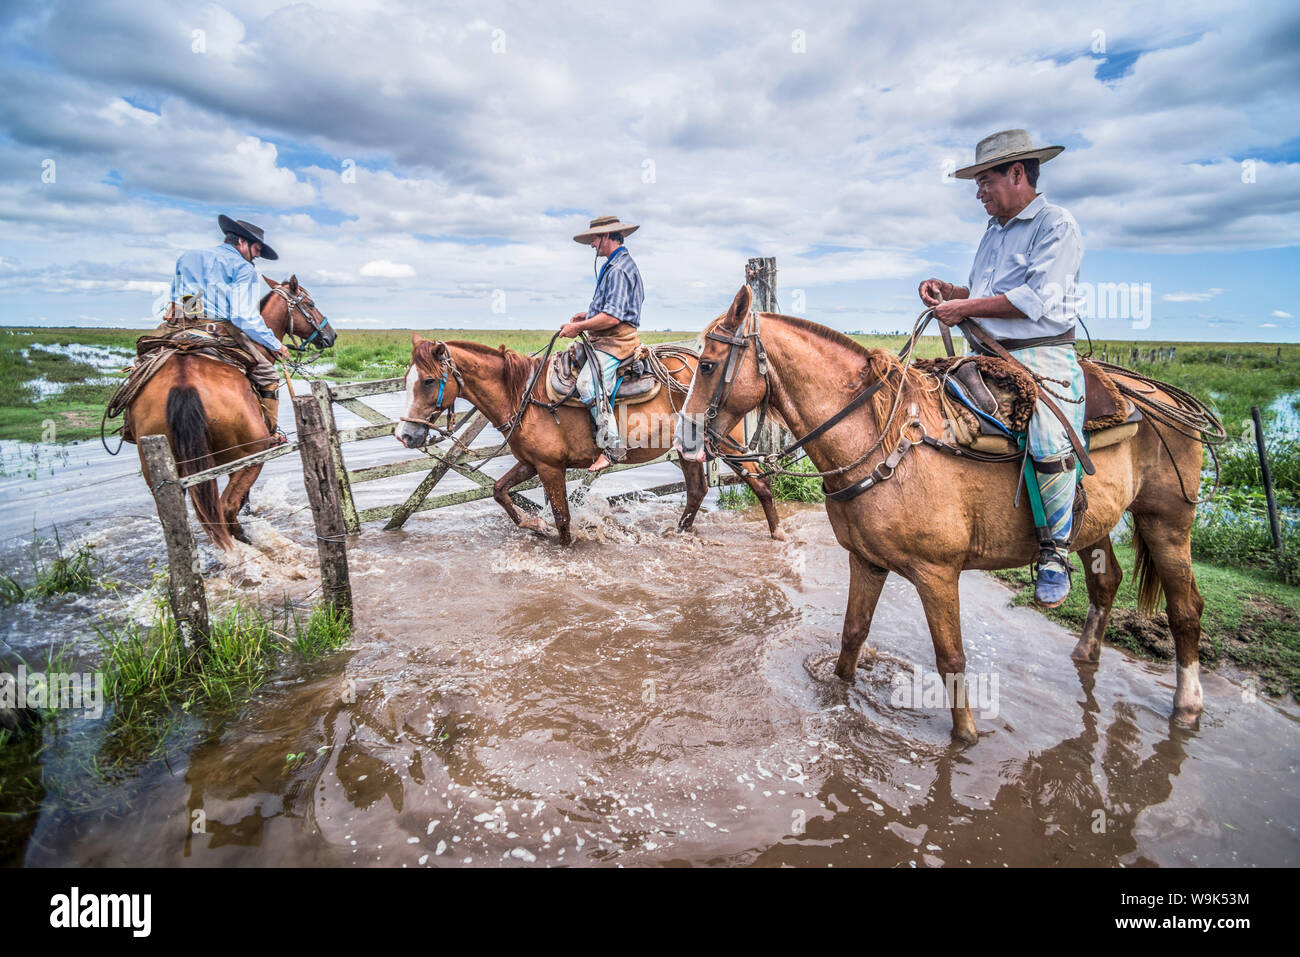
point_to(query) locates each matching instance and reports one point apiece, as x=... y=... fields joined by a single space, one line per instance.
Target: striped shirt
x=619 y=292
x=228 y=284
x=1034 y=259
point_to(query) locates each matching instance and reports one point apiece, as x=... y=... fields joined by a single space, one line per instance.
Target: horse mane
x=518 y=369
x=918 y=387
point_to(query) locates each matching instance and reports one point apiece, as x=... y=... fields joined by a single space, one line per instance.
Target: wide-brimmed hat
x=250 y=232
x=1004 y=147
x=602 y=225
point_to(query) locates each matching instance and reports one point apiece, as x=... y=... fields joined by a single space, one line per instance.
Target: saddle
x=987 y=400
x=634 y=381
x=179 y=334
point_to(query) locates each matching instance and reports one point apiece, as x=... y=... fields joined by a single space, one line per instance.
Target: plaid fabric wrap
x=1047 y=437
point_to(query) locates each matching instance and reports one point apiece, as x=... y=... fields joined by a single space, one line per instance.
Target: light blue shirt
x=229 y=287
x=1034 y=260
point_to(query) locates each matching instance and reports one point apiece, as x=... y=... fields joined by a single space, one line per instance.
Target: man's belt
x=1011 y=345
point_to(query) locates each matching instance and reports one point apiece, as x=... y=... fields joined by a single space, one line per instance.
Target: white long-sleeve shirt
x=1034 y=260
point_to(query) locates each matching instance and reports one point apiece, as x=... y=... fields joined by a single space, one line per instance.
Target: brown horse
x=494 y=381
x=941 y=514
x=210 y=416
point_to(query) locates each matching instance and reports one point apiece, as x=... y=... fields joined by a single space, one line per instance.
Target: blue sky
x=427 y=167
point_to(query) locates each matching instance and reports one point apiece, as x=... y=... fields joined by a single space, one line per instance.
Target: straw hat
x=1004 y=147
x=602 y=225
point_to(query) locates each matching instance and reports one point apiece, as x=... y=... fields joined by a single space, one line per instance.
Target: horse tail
x=1149 y=588
x=193 y=448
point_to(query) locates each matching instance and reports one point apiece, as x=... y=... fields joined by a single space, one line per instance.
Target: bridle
x=737 y=345
x=295 y=302
x=449 y=370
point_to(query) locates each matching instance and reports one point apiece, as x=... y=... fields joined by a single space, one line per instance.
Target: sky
x=426 y=166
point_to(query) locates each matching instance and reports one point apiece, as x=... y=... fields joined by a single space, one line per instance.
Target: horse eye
x=429 y=382
x=708 y=367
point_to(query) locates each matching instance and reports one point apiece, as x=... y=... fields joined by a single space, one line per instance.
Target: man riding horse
x=611 y=320
x=1022 y=286
x=220 y=284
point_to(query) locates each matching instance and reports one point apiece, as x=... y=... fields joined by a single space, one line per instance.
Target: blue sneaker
x=1052 y=578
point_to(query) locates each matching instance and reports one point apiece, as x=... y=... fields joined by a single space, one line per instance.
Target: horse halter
x=295 y=302
x=448 y=367
x=736 y=348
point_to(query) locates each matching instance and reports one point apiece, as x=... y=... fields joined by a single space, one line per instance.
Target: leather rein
x=750 y=332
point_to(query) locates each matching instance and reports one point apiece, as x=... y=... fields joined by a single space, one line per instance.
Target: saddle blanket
x=635 y=383
x=988 y=400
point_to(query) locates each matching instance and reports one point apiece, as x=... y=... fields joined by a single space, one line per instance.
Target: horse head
x=726 y=385
x=297 y=313
x=432 y=385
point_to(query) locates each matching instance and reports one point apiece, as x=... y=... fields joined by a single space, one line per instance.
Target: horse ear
x=293 y=283
x=416 y=339
x=270 y=282
x=739 y=308
x=440 y=350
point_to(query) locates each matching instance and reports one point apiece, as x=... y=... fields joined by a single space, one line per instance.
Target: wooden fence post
x=1273 y=525
x=185 y=584
x=323 y=493
x=760 y=273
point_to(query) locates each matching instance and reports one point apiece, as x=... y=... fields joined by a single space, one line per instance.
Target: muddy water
x=647 y=698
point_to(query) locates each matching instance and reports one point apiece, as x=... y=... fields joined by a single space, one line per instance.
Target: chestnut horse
x=546 y=444
x=941 y=514
x=210 y=415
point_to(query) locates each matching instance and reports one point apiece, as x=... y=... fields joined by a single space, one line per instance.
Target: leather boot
x=270 y=411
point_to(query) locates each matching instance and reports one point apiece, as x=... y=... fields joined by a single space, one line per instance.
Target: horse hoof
x=1086 y=654
x=778 y=534
x=1188 y=719
x=965 y=737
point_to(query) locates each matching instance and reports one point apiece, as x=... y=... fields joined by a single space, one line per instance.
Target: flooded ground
x=642 y=698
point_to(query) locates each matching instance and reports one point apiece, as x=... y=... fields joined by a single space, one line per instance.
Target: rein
x=738 y=345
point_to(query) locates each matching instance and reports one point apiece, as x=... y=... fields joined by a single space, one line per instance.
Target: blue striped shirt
x=228 y=284
x=619 y=292
x=1034 y=259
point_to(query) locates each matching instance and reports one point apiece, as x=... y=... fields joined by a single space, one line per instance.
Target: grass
x=383 y=354
x=1251 y=620
x=72 y=414
x=149 y=669
x=785 y=488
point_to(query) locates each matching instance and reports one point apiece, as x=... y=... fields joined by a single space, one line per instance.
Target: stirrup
x=1052 y=576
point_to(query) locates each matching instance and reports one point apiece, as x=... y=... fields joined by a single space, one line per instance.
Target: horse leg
x=763 y=489
x=521 y=472
x=235 y=495
x=865 y=583
x=939 y=597
x=1103 y=575
x=1168 y=547
x=697 y=486
x=556 y=494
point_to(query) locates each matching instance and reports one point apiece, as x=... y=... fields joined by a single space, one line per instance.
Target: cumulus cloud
x=459 y=149
x=1279 y=314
